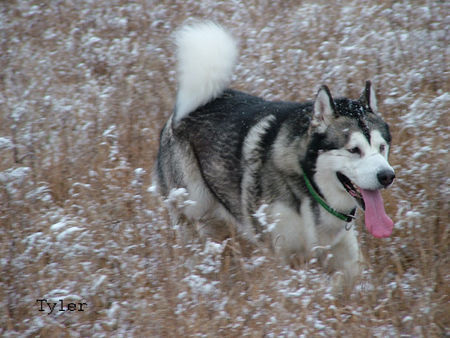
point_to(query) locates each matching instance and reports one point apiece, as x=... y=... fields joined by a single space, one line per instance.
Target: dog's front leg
x=292 y=238
x=346 y=262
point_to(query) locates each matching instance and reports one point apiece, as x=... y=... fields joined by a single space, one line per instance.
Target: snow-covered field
x=85 y=87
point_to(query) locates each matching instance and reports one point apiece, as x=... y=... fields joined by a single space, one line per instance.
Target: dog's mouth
x=377 y=222
x=352 y=189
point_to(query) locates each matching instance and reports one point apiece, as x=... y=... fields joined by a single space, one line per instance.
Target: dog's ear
x=368 y=98
x=324 y=109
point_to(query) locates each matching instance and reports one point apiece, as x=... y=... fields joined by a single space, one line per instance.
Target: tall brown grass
x=85 y=88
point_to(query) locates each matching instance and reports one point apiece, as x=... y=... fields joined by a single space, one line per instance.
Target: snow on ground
x=85 y=88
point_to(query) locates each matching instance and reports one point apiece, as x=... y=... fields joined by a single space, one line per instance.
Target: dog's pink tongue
x=377 y=222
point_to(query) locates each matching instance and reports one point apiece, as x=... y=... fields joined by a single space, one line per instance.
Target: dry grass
x=84 y=90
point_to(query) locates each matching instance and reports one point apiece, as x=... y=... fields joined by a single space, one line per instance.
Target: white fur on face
x=361 y=169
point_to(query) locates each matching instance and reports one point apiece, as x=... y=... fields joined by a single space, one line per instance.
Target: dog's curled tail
x=207 y=54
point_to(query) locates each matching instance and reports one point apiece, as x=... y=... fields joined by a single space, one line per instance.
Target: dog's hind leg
x=216 y=229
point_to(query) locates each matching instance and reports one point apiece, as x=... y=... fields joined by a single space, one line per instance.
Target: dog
x=306 y=166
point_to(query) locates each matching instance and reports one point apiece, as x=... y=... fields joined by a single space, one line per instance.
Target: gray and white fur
x=236 y=154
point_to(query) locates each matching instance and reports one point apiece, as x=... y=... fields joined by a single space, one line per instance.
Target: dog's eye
x=354 y=150
x=382 y=148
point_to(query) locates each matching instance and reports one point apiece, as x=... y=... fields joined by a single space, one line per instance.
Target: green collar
x=318 y=199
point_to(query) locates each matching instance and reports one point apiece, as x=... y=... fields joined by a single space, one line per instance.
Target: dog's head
x=351 y=143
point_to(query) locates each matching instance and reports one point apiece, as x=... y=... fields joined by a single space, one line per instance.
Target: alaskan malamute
x=307 y=166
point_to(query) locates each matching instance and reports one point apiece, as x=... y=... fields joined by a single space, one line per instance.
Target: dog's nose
x=385 y=177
